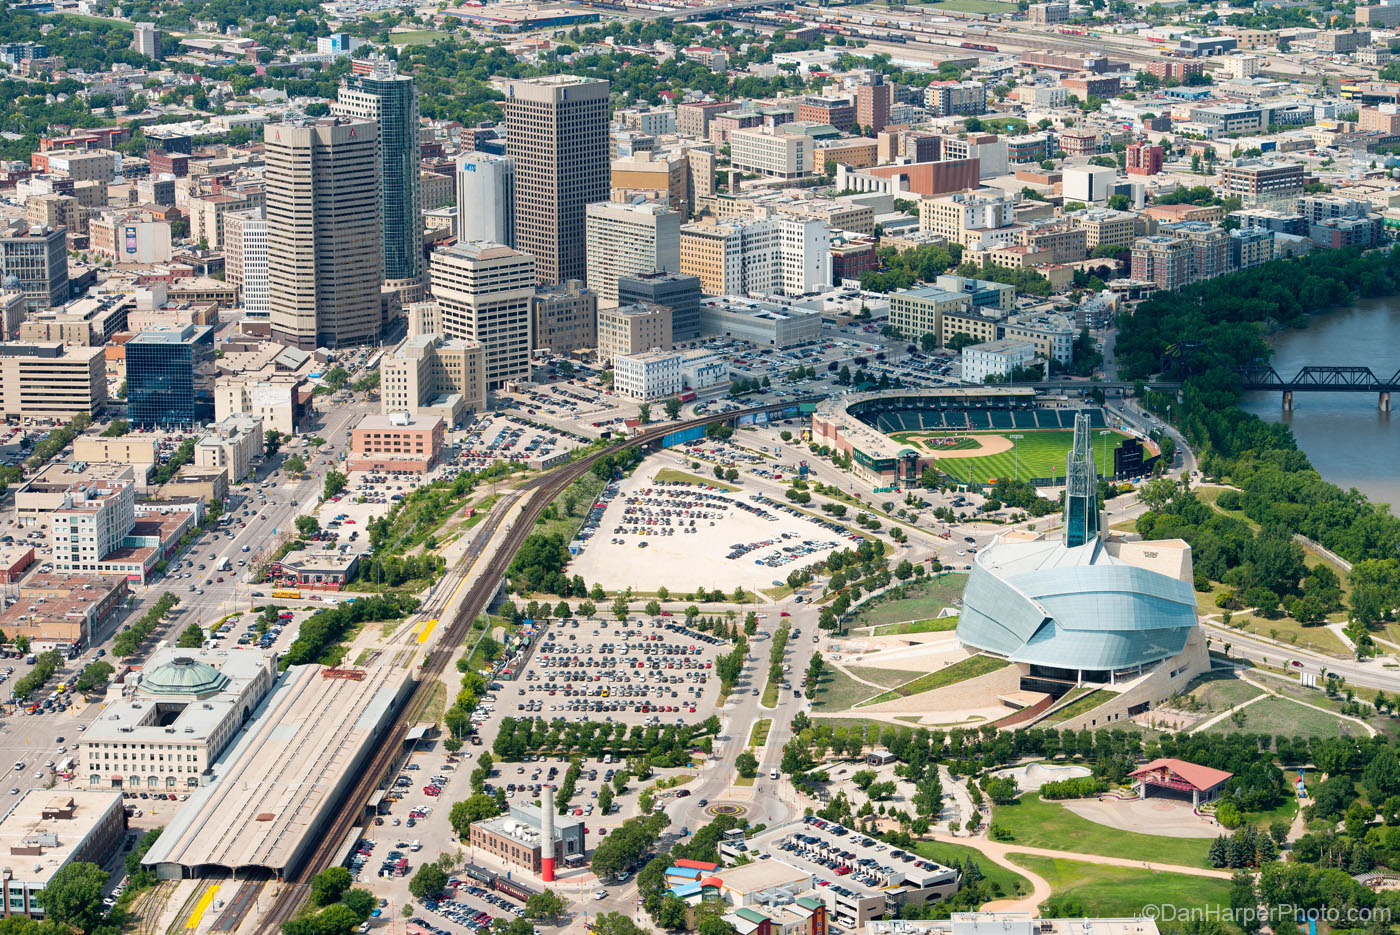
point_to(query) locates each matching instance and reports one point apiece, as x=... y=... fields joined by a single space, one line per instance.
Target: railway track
x=540 y=491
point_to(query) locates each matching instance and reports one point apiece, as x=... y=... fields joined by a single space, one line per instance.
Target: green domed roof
x=183 y=676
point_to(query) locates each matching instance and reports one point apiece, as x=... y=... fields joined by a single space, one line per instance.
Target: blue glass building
x=1079 y=607
x=170 y=377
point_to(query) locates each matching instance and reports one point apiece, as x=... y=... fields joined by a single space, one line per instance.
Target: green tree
x=329 y=885
x=615 y=923
x=428 y=881
x=547 y=905
x=307 y=526
x=338 y=919
x=672 y=407
x=192 y=637
x=361 y=902
x=472 y=809
x=644 y=413
x=334 y=484
x=73 y=897
x=746 y=764
x=294 y=465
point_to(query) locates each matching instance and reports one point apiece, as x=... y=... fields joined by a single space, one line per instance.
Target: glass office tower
x=170 y=378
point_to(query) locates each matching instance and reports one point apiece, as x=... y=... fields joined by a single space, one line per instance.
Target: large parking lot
x=636 y=671
x=509 y=438
x=685 y=535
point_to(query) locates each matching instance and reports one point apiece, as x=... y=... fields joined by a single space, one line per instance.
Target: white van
x=773 y=773
x=416 y=846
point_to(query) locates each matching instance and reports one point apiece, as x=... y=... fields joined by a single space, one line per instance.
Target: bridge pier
x=1384 y=402
x=1287 y=400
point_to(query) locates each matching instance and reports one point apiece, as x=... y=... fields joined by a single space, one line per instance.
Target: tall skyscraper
x=1081 y=487
x=557 y=136
x=324 y=255
x=390 y=100
x=483 y=292
x=873 y=102
x=486 y=198
x=628 y=239
x=245 y=259
x=145 y=39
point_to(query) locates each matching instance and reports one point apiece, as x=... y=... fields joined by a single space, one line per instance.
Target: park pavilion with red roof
x=1204 y=783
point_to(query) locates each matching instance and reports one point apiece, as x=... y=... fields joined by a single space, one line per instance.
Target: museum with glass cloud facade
x=1081 y=606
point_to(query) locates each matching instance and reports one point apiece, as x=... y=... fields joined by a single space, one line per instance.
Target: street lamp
x=1016 y=454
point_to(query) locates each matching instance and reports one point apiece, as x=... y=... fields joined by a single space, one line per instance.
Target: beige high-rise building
x=245 y=259
x=428 y=375
x=655 y=176
x=628 y=240
x=483 y=291
x=565 y=317
x=323 y=240
x=1106 y=226
x=207 y=212
x=632 y=329
x=700 y=174
x=51 y=381
x=557 y=136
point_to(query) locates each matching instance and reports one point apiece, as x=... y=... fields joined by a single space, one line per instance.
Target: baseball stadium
x=971 y=434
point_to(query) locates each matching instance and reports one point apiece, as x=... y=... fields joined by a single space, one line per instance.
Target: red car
x=667 y=613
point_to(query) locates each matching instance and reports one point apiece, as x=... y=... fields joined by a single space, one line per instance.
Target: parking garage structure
x=275 y=793
x=880 y=878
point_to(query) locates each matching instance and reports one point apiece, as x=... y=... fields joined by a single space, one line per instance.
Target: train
x=979 y=46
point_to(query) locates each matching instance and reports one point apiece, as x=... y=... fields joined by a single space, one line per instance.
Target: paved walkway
x=1215 y=719
x=848 y=673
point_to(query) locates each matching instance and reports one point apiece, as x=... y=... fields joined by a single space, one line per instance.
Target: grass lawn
x=1285 y=811
x=1038 y=454
x=583 y=491
x=854 y=723
x=1281 y=716
x=1081 y=705
x=960 y=671
x=886 y=678
x=434 y=706
x=1036 y=823
x=1005 y=125
x=838 y=691
x=770 y=694
x=671 y=474
x=936 y=625
x=1123 y=892
x=1005 y=881
x=759 y=735
x=1287 y=630
x=1220 y=691
x=743 y=780
x=416 y=37
x=922 y=601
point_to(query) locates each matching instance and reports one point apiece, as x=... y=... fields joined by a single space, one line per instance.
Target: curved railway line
x=540 y=491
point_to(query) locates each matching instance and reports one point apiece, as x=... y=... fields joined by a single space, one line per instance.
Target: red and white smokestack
x=547 y=835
